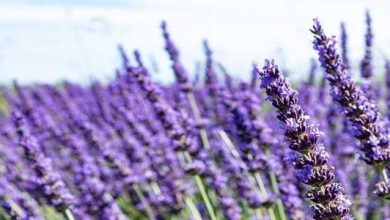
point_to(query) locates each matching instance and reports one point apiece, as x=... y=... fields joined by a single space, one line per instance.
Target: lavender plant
x=204 y=148
x=47 y=181
x=366 y=67
x=361 y=112
x=309 y=157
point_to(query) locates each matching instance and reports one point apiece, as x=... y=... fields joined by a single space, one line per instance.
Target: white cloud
x=52 y=42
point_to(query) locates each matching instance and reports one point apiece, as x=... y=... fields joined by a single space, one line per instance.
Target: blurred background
x=52 y=40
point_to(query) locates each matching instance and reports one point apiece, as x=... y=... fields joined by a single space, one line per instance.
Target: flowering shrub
x=222 y=149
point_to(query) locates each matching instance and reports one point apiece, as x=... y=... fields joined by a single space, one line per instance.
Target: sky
x=76 y=40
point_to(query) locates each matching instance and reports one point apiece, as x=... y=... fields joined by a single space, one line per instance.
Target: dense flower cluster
x=208 y=147
x=311 y=159
x=361 y=112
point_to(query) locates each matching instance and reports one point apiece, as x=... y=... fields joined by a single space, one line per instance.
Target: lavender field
x=208 y=146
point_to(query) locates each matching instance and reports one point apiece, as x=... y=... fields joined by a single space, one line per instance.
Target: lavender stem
x=356 y=214
x=206 y=145
x=384 y=175
x=256 y=175
x=202 y=189
x=203 y=193
x=198 y=119
x=263 y=191
x=68 y=215
x=144 y=202
x=194 y=211
x=275 y=189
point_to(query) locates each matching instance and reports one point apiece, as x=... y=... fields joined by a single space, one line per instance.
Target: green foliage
x=51 y=213
x=3 y=215
x=4 y=108
x=128 y=208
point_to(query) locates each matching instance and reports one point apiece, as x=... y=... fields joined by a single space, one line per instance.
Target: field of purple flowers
x=213 y=147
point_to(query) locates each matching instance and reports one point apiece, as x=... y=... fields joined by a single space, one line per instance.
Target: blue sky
x=48 y=41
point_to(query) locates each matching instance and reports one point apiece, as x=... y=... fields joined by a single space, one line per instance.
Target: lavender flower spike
x=387 y=81
x=46 y=179
x=344 y=48
x=366 y=67
x=177 y=66
x=363 y=115
x=382 y=189
x=310 y=158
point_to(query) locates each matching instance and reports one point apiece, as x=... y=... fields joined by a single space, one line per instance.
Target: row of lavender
x=135 y=149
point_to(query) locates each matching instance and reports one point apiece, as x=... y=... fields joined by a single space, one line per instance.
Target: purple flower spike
x=211 y=76
x=123 y=55
x=382 y=189
x=177 y=66
x=16 y=204
x=387 y=80
x=169 y=118
x=363 y=115
x=366 y=67
x=310 y=158
x=46 y=178
x=344 y=48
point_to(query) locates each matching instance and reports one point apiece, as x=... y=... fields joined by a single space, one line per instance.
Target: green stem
x=274 y=183
x=225 y=138
x=206 y=145
x=68 y=214
x=264 y=194
x=14 y=207
x=198 y=119
x=271 y=213
x=245 y=211
x=256 y=175
x=144 y=202
x=356 y=214
x=185 y=158
x=192 y=207
x=377 y=215
x=205 y=197
x=199 y=183
x=258 y=214
x=275 y=189
x=155 y=187
x=261 y=185
x=384 y=175
x=194 y=106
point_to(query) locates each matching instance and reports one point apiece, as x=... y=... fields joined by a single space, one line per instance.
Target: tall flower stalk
x=387 y=81
x=183 y=81
x=366 y=67
x=168 y=117
x=344 y=46
x=48 y=182
x=254 y=142
x=361 y=112
x=309 y=157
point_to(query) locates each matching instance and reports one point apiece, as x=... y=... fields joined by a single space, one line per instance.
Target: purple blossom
x=366 y=67
x=387 y=81
x=310 y=159
x=46 y=178
x=177 y=66
x=361 y=112
x=344 y=46
x=130 y=147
